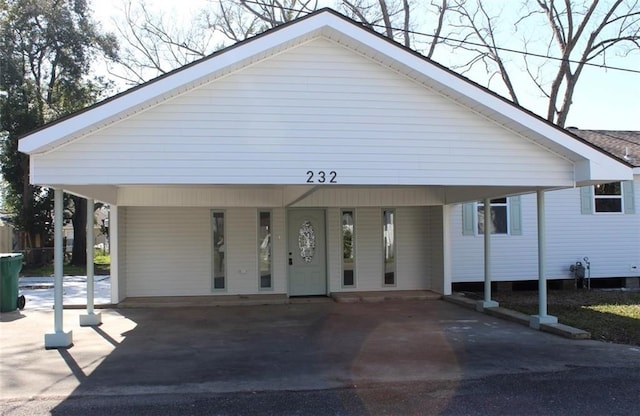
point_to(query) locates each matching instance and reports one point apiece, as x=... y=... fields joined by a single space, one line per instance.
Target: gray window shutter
x=468 y=213
x=586 y=200
x=515 y=216
x=628 y=197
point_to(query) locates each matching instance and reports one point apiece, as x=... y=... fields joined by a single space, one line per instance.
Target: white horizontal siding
x=373 y=197
x=611 y=241
x=168 y=251
x=241 y=250
x=514 y=257
x=279 y=247
x=434 y=248
x=318 y=106
x=413 y=265
x=334 y=249
x=368 y=249
x=199 y=196
x=245 y=196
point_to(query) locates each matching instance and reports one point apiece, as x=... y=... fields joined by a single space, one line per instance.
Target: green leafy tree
x=46 y=51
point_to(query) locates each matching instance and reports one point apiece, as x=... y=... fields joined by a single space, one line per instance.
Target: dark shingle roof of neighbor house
x=622 y=144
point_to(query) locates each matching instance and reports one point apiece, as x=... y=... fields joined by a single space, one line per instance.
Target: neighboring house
x=601 y=223
x=315 y=158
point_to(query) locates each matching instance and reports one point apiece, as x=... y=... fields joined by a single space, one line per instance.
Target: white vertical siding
x=611 y=241
x=310 y=108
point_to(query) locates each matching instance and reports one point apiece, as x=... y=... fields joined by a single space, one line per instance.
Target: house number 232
x=321 y=177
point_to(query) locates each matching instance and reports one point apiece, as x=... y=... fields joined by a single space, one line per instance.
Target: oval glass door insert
x=307 y=241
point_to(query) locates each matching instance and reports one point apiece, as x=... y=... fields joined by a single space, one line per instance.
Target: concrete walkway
x=292 y=347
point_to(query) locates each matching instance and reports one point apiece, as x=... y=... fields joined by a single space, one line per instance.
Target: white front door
x=307 y=252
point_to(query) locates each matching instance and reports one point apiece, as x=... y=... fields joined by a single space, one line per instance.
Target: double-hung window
x=506 y=218
x=608 y=198
x=499 y=217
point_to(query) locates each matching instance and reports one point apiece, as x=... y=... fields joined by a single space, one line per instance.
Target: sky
x=604 y=99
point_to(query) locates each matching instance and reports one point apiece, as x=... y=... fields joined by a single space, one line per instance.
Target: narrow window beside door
x=348 y=248
x=264 y=249
x=389 y=247
x=219 y=264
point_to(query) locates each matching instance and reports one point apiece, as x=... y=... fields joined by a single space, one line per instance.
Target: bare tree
x=238 y=20
x=583 y=33
x=575 y=33
x=390 y=17
x=476 y=32
x=152 y=43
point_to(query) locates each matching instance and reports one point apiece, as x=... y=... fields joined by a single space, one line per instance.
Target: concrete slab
x=291 y=347
x=565 y=331
x=381 y=296
x=519 y=317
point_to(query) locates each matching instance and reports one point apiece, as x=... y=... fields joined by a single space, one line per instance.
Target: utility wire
x=466 y=42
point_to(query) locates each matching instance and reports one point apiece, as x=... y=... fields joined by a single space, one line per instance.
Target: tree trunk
x=79 y=221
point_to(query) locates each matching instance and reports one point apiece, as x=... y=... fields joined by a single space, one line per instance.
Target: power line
x=467 y=42
x=526 y=53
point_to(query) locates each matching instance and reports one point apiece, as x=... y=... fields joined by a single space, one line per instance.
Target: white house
x=315 y=158
x=599 y=223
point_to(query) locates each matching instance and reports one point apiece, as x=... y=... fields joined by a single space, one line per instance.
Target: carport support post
x=542 y=318
x=90 y=318
x=59 y=338
x=487 y=302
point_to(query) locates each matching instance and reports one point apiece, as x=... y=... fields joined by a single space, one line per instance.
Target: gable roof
x=592 y=164
x=622 y=144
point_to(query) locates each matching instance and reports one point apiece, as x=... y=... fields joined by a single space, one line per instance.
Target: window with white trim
x=348 y=248
x=264 y=250
x=607 y=197
x=506 y=217
x=499 y=218
x=218 y=262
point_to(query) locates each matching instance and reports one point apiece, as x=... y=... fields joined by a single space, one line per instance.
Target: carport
x=242 y=172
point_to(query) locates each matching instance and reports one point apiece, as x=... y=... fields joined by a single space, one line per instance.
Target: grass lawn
x=612 y=316
x=101 y=267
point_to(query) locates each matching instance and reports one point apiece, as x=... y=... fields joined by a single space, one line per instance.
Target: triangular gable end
x=591 y=164
x=317 y=107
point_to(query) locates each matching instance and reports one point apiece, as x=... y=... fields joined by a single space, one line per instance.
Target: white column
x=487 y=302
x=59 y=338
x=542 y=318
x=90 y=318
x=114 y=237
x=446 y=250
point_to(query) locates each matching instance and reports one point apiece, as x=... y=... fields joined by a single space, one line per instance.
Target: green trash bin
x=10 y=266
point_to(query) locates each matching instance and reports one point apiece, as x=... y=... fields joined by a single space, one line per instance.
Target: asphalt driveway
x=278 y=348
